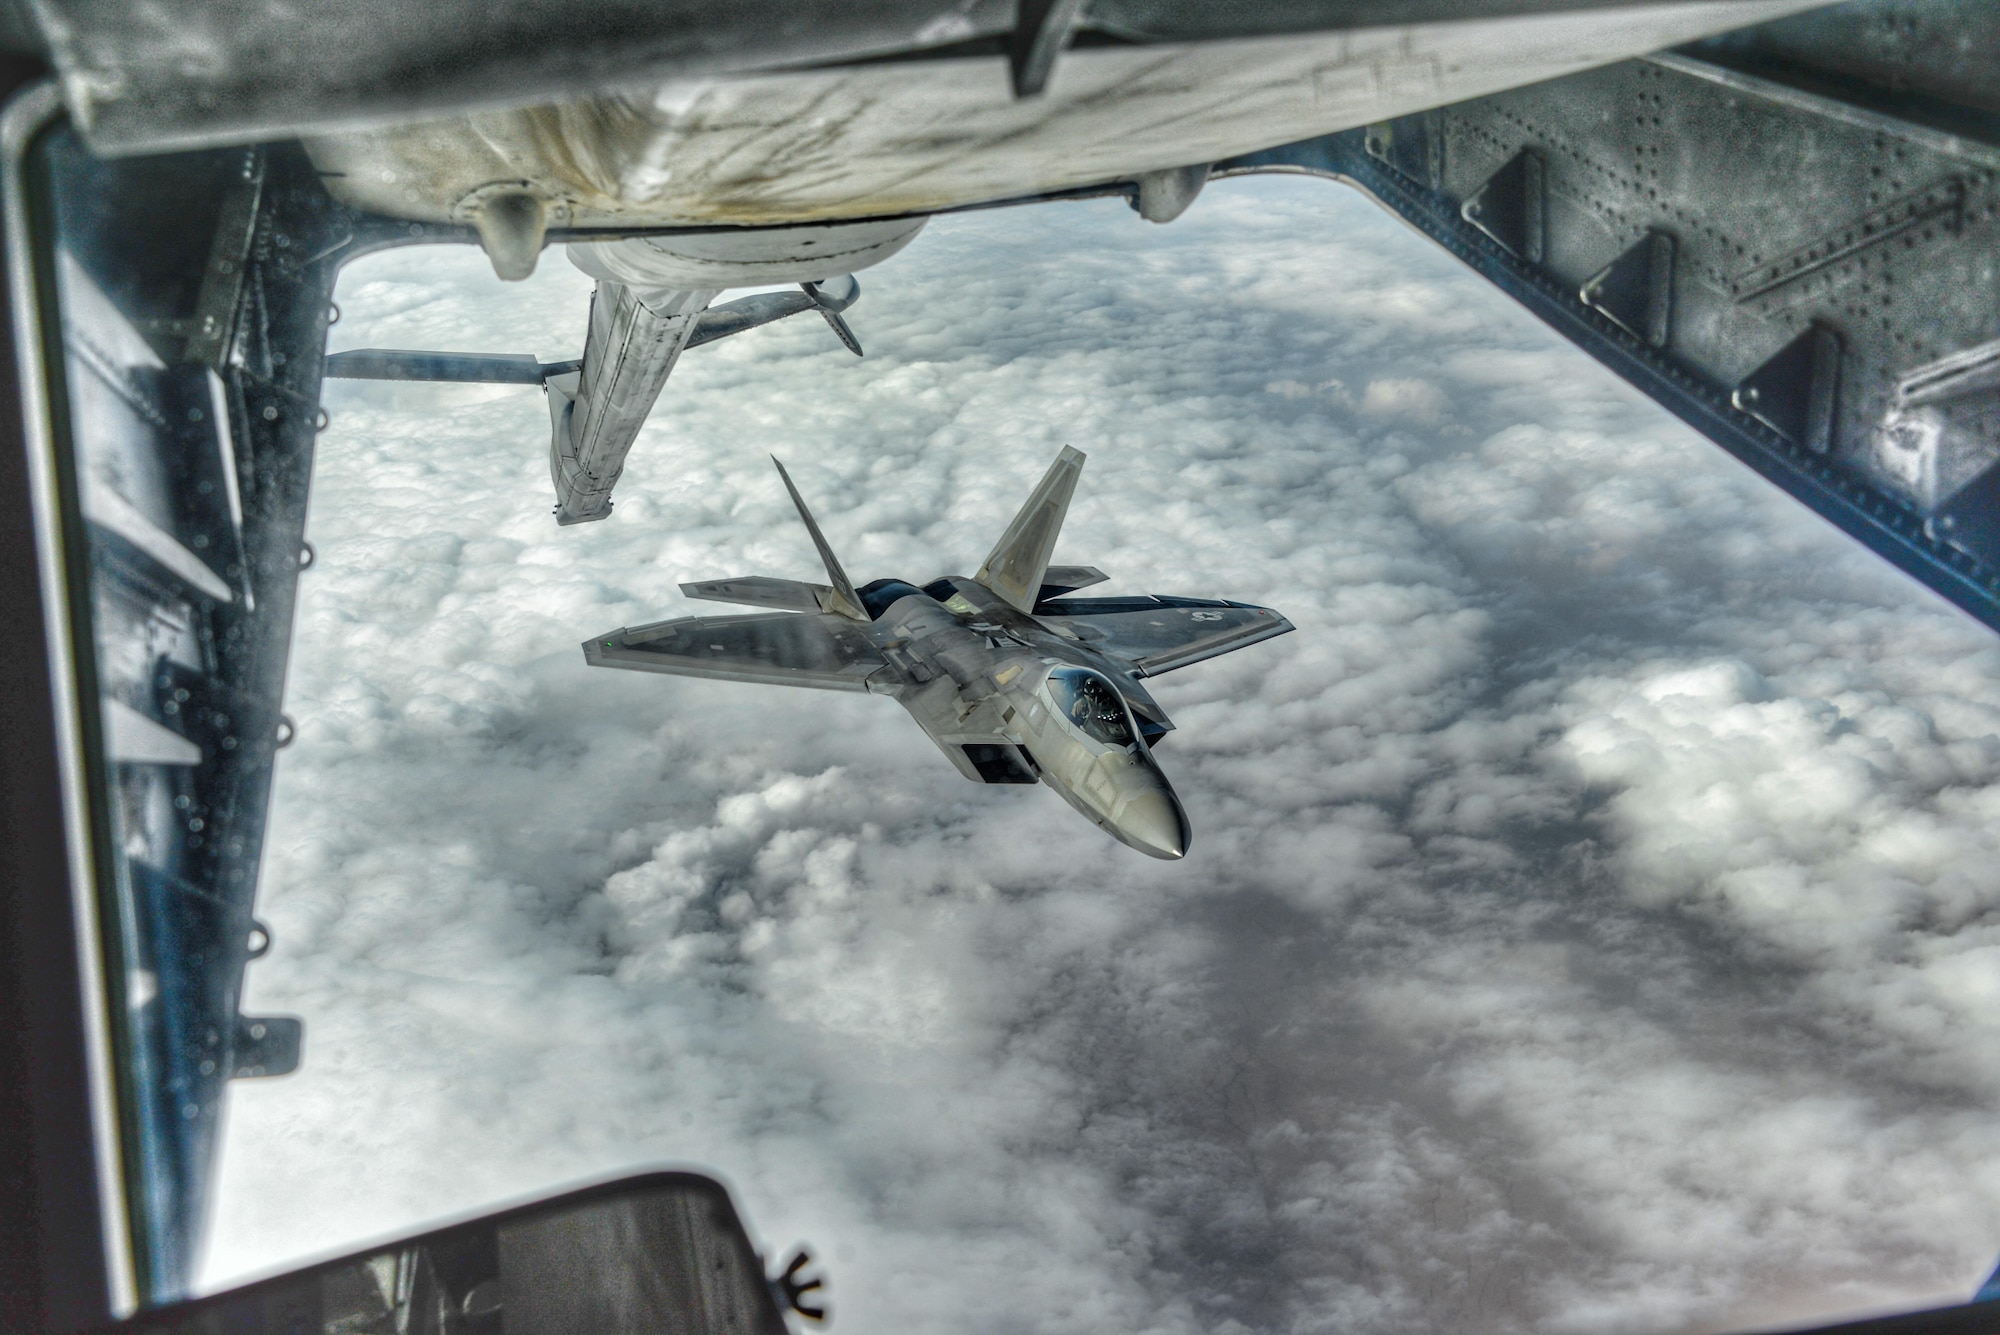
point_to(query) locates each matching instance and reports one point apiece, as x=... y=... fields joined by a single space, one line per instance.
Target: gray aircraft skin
x=1014 y=682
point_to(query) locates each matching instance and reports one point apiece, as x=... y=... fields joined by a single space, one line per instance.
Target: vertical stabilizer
x=845 y=600
x=1018 y=562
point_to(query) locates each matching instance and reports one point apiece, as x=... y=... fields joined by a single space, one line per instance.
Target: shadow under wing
x=1152 y=634
x=774 y=648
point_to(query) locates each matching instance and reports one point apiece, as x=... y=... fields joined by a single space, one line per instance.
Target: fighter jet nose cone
x=1154 y=824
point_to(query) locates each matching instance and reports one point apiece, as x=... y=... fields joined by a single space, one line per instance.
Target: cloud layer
x=1591 y=917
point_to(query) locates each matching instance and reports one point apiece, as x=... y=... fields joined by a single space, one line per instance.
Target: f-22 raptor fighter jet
x=1013 y=681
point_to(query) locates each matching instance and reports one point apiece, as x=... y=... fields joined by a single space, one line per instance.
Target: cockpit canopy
x=878 y=595
x=1090 y=702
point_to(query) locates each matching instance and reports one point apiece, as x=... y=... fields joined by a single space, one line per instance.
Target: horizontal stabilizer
x=829 y=298
x=733 y=317
x=1059 y=580
x=779 y=595
x=842 y=332
x=834 y=294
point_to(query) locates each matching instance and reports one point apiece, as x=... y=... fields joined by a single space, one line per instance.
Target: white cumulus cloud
x=1591 y=920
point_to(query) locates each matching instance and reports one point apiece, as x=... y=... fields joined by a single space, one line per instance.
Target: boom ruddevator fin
x=845 y=600
x=1018 y=562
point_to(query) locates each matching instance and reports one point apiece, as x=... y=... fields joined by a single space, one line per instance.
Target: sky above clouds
x=1591 y=918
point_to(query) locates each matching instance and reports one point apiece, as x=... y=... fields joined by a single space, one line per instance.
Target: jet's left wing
x=1154 y=634
x=773 y=648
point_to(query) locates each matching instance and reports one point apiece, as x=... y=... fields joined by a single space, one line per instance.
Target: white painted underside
x=921 y=136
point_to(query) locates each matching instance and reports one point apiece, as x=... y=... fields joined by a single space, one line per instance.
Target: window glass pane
x=182 y=420
x=1586 y=921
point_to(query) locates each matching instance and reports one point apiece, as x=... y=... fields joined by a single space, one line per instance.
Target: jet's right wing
x=773 y=648
x=1151 y=634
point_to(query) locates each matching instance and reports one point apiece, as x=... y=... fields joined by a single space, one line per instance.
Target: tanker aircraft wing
x=822 y=650
x=1150 y=634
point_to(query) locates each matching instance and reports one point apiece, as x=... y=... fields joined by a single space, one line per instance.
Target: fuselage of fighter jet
x=1013 y=681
